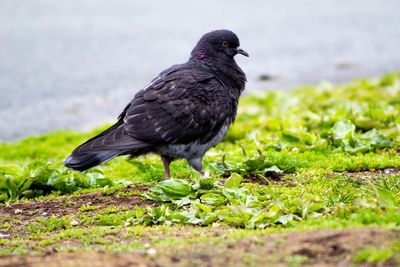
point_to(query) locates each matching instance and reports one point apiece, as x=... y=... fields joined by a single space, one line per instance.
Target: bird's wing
x=180 y=106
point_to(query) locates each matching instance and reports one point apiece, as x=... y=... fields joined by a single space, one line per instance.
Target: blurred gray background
x=75 y=64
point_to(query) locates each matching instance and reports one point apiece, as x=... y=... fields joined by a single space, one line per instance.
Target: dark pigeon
x=182 y=113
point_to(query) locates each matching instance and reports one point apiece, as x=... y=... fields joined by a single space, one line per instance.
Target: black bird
x=182 y=113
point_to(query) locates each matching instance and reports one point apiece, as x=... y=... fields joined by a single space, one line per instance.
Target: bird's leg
x=197 y=165
x=166 y=161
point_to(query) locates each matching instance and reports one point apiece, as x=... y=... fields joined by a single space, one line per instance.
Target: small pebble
x=4 y=235
x=74 y=222
x=151 y=251
x=17 y=211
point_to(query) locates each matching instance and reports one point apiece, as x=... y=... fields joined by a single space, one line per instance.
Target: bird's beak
x=242 y=52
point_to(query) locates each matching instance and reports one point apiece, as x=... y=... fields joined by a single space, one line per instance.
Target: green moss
x=376 y=255
x=87 y=207
x=295 y=152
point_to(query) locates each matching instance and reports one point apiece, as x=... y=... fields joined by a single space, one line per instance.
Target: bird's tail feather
x=111 y=143
x=84 y=161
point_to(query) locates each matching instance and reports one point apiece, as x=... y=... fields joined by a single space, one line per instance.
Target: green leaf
x=97 y=179
x=273 y=170
x=385 y=195
x=210 y=217
x=376 y=139
x=343 y=131
x=182 y=201
x=175 y=187
x=168 y=190
x=234 y=215
x=253 y=164
x=285 y=219
x=233 y=181
x=9 y=171
x=290 y=137
x=206 y=183
x=212 y=199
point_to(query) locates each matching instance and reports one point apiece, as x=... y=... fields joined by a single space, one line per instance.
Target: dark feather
x=190 y=104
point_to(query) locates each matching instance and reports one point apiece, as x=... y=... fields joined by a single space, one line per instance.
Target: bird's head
x=217 y=44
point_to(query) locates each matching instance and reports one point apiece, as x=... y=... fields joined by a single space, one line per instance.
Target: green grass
x=350 y=127
x=376 y=255
x=316 y=157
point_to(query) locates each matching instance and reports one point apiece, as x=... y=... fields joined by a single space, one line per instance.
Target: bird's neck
x=202 y=54
x=232 y=74
x=224 y=67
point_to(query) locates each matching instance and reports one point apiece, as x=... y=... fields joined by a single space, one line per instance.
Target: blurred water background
x=75 y=64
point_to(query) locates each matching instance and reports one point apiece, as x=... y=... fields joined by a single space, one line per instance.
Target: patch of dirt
x=320 y=248
x=274 y=178
x=92 y=259
x=29 y=210
x=313 y=248
x=373 y=173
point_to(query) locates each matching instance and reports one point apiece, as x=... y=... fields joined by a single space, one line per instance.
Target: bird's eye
x=224 y=43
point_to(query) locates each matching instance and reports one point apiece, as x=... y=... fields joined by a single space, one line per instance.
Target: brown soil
x=60 y=207
x=130 y=197
x=274 y=178
x=24 y=213
x=313 y=248
x=374 y=173
x=269 y=179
